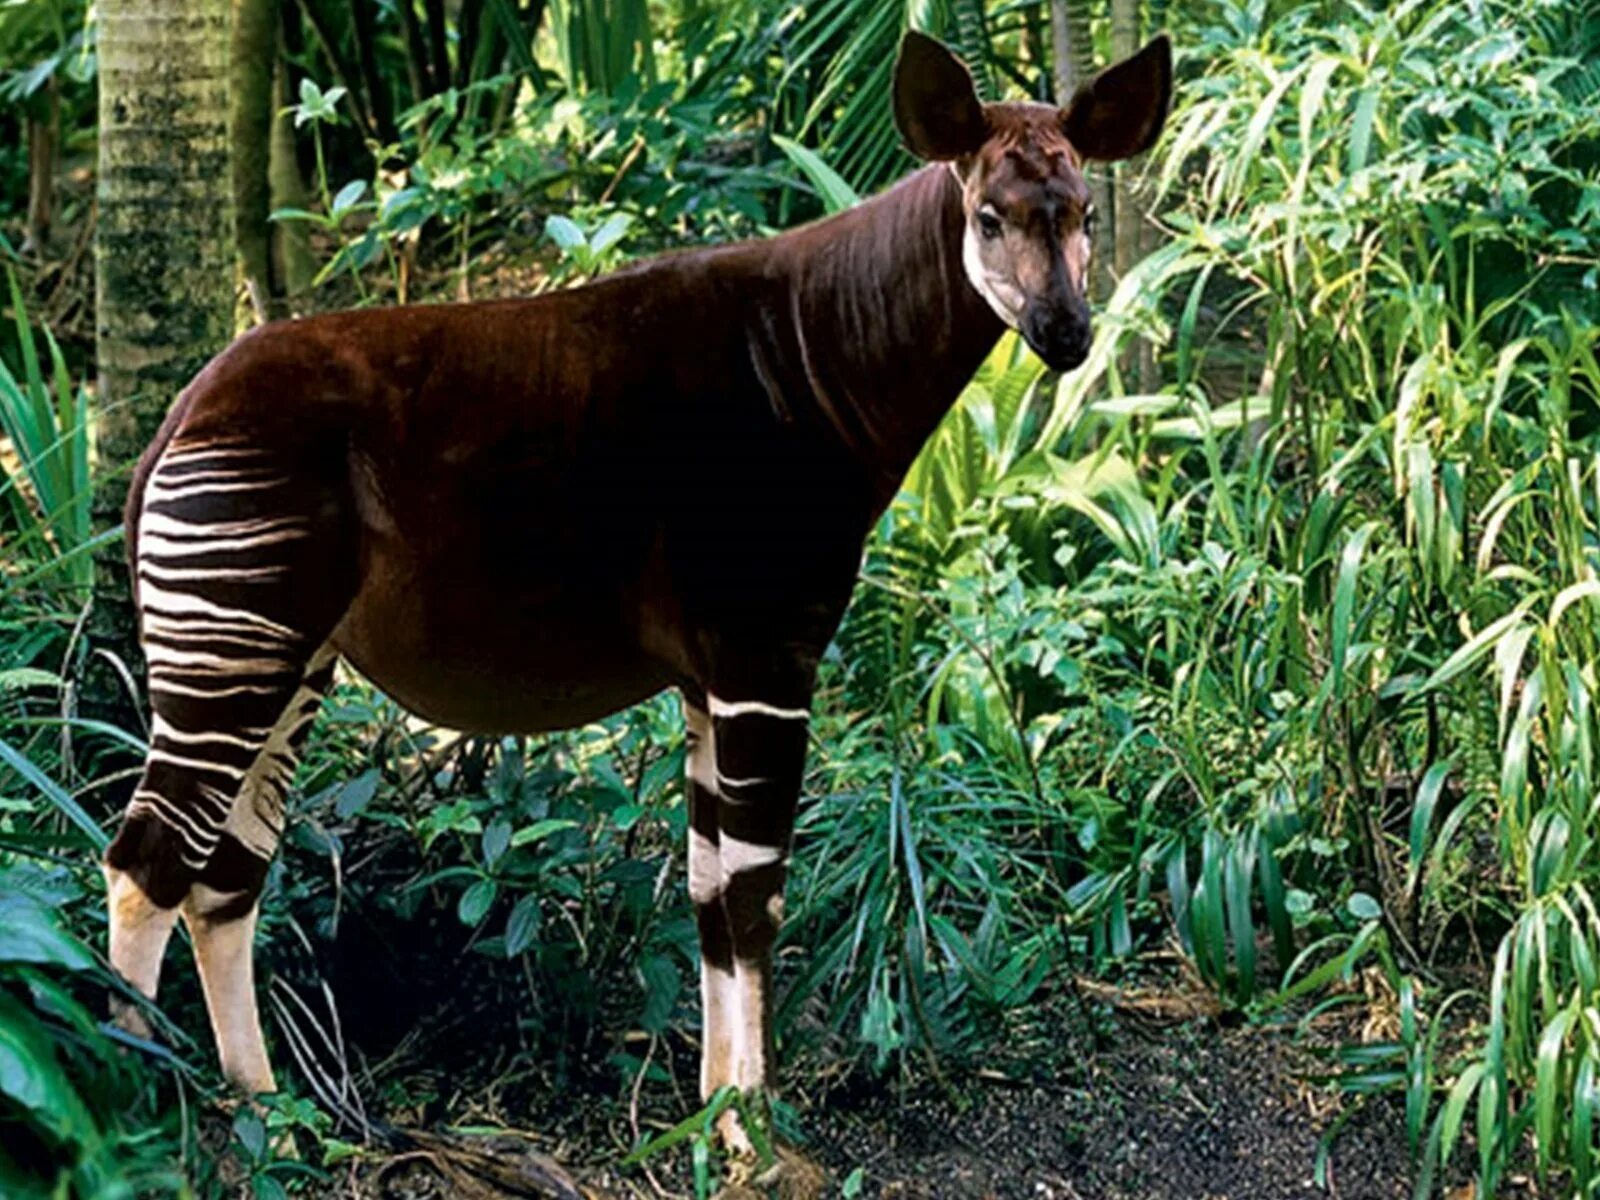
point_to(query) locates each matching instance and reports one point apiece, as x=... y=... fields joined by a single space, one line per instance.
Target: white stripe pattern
x=230 y=775
x=740 y=856
x=744 y=708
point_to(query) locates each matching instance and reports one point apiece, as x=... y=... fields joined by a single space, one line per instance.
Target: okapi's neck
x=889 y=329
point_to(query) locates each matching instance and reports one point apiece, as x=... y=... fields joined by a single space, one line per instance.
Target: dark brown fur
x=560 y=505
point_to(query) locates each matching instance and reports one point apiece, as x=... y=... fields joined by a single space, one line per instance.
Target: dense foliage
x=1292 y=658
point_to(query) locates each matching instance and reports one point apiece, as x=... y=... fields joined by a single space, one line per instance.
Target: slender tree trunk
x=1149 y=233
x=1129 y=215
x=293 y=261
x=164 y=255
x=418 y=68
x=255 y=51
x=1066 y=79
x=331 y=22
x=44 y=130
x=1124 y=41
x=438 y=41
x=1073 y=42
x=469 y=27
x=377 y=91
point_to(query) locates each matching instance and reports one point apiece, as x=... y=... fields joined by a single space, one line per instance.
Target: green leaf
x=662 y=986
x=348 y=195
x=496 y=840
x=1363 y=907
x=1427 y=800
x=31 y=1076
x=610 y=232
x=476 y=901
x=1474 y=648
x=357 y=794
x=522 y=926
x=836 y=194
x=250 y=1132
x=564 y=232
x=540 y=830
x=29 y=933
x=1343 y=630
x=56 y=794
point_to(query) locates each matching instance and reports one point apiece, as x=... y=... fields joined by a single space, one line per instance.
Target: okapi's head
x=1029 y=220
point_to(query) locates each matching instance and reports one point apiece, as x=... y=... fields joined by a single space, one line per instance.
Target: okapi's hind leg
x=243 y=570
x=223 y=903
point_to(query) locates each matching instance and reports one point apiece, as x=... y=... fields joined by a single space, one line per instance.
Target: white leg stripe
x=738 y=857
x=159 y=544
x=198 y=841
x=195 y=764
x=158 y=574
x=183 y=452
x=745 y=708
x=243 y=689
x=705 y=869
x=195 y=662
x=167 y=526
x=175 y=484
x=163 y=728
x=183 y=602
x=180 y=629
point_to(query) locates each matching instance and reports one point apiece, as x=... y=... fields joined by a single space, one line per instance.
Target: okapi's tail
x=141 y=476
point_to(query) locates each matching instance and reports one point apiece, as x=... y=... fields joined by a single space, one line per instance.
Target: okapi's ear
x=936 y=106
x=1119 y=113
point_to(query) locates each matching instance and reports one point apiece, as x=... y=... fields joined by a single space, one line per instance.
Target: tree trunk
x=1124 y=41
x=1149 y=233
x=438 y=41
x=377 y=90
x=164 y=256
x=255 y=50
x=1066 y=79
x=1129 y=218
x=1075 y=65
x=294 y=263
x=44 y=128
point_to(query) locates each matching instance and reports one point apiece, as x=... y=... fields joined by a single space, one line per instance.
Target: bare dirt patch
x=1182 y=1107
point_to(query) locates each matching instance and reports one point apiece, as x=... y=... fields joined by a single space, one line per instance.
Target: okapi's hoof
x=792 y=1176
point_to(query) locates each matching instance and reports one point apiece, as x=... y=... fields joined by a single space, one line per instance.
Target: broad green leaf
x=476 y=901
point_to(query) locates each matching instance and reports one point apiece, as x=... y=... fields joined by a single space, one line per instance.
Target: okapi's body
x=523 y=515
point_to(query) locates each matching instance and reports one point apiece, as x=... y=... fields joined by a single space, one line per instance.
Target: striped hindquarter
x=238 y=585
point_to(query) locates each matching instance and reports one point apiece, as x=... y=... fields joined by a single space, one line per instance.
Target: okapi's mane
x=865 y=318
x=889 y=327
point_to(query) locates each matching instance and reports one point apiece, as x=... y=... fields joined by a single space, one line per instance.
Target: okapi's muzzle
x=1058 y=332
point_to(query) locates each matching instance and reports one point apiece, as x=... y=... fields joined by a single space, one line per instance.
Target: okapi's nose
x=1058 y=333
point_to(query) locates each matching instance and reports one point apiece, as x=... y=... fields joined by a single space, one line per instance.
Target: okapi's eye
x=989 y=223
x=1091 y=222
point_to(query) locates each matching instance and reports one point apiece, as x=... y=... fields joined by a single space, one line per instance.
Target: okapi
x=522 y=515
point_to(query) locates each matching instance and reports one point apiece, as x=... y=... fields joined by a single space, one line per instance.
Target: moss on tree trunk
x=164 y=252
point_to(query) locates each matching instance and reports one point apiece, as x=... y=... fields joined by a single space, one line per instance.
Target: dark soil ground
x=1194 y=1112
x=1168 y=1101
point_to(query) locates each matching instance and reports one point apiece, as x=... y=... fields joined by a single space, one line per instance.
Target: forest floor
x=1167 y=1099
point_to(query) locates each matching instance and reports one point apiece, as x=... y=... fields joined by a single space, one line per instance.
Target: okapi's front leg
x=751 y=780
x=719 y=1005
x=760 y=752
